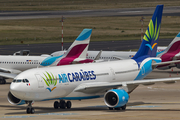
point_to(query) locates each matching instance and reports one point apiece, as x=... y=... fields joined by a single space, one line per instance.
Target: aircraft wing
x=5 y=70
x=164 y=63
x=97 y=87
x=119 y=58
x=8 y=75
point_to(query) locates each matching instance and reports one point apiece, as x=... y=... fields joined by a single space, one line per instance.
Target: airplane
x=11 y=66
x=109 y=55
x=114 y=80
x=172 y=52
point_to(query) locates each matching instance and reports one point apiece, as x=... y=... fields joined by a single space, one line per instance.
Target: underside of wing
x=8 y=75
x=97 y=87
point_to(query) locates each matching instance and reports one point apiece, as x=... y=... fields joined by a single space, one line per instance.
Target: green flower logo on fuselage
x=50 y=81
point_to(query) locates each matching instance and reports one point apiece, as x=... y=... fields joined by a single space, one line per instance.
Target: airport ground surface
x=156 y=102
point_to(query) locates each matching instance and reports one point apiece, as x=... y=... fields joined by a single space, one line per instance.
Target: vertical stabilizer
x=171 y=50
x=78 y=49
x=149 y=44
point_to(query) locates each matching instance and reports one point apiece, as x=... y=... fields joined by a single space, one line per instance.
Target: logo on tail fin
x=152 y=33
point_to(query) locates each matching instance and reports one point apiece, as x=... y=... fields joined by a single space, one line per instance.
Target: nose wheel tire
x=30 y=111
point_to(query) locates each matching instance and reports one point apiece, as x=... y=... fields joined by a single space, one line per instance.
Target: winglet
x=98 y=55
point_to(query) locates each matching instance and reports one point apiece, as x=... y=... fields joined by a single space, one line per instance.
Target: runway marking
x=58 y=114
x=130 y=11
x=149 y=106
x=17 y=116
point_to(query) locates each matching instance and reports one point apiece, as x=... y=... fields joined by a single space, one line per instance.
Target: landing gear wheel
x=32 y=110
x=118 y=108
x=110 y=108
x=28 y=110
x=62 y=104
x=68 y=104
x=123 y=107
x=2 y=81
x=56 y=105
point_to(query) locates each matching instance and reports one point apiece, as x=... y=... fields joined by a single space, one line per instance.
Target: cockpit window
x=20 y=80
x=26 y=80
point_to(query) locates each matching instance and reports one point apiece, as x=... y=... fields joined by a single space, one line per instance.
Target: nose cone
x=16 y=90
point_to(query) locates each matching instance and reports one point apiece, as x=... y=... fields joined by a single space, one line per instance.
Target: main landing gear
x=30 y=109
x=118 y=108
x=2 y=81
x=62 y=104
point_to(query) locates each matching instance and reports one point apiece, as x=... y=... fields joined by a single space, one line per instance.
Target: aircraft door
x=40 y=81
x=113 y=74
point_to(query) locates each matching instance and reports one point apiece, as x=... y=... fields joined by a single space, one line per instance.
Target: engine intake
x=14 y=100
x=116 y=98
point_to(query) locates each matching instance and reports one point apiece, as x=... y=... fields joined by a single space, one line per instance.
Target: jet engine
x=116 y=98
x=14 y=100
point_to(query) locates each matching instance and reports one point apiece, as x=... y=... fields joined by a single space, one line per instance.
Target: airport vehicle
x=112 y=79
x=10 y=66
x=171 y=53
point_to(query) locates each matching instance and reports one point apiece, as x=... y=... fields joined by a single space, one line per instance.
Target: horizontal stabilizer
x=154 y=65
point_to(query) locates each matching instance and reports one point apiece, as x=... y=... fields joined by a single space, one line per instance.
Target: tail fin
x=80 y=45
x=171 y=50
x=78 y=49
x=149 y=44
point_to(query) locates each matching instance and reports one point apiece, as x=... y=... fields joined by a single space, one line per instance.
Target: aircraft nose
x=15 y=89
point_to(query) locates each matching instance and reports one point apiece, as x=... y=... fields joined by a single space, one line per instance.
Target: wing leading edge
x=97 y=87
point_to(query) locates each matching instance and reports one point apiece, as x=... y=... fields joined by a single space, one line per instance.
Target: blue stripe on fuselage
x=49 y=60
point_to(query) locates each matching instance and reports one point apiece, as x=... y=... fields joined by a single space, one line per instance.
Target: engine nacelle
x=15 y=101
x=116 y=98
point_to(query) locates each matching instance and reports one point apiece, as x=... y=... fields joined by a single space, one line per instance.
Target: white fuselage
x=114 y=71
x=20 y=63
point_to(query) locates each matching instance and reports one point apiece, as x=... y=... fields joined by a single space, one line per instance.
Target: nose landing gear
x=30 y=109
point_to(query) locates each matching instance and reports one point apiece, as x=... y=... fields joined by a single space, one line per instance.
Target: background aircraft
x=171 y=53
x=109 y=55
x=10 y=66
x=113 y=79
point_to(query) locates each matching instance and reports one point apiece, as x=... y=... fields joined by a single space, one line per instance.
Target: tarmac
x=155 y=102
